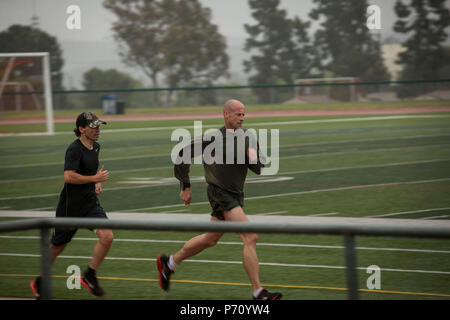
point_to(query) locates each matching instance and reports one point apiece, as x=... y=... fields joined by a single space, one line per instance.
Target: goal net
x=323 y=90
x=25 y=93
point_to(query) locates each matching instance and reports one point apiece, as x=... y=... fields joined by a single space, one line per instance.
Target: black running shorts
x=64 y=235
x=221 y=200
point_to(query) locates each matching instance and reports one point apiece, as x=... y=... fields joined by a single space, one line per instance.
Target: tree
x=425 y=56
x=345 y=45
x=170 y=38
x=282 y=45
x=107 y=79
x=20 y=38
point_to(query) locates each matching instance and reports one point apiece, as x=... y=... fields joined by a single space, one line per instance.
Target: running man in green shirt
x=225 y=193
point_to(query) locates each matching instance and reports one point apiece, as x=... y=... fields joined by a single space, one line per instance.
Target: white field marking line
x=231 y=262
x=253 y=124
x=305 y=144
x=283 y=173
x=168 y=167
x=61 y=176
x=160 y=212
x=61 y=163
x=110 y=149
x=248 y=198
x=405 y=212
x=4 y=208
x=33 y=179
x=322 y=214
x=287 y=245
x=106 y=189
x=24 y=134
x=346 y=188
x=160 y=207
x=38 y=209
x=257 y=124
x=287 y=146
x=396 y=117
x=367 y=166
x=168 y=212
x=295 y=193
x=269 y=213
x=284 y=157
x=161 y=155
x=435 y=217
x=163 y=181
x=293 y=145
x=32 y=196
x=280 y=123
x=309 y=155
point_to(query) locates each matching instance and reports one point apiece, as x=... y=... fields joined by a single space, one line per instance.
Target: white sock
x=172 y=265
x=257 y=292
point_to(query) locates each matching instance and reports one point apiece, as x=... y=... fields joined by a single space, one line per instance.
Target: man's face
x=235 y=116
x=91 y=133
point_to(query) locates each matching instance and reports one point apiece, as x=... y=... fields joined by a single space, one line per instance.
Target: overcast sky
x=93 y=45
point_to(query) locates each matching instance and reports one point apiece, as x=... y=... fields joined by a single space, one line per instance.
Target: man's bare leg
x=105 y=238
x=197 y=244
x=56 y=251
x=249 y=256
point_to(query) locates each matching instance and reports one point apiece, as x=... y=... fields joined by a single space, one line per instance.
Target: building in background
x=390 y=52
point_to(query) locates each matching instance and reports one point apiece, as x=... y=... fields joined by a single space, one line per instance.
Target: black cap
x=89 y=119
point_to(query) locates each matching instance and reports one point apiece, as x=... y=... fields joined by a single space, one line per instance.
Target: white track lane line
x=272 y=264
x=405 y=212
x=285 y=245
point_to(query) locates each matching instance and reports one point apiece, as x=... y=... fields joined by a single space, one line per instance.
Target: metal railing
x=345 y=228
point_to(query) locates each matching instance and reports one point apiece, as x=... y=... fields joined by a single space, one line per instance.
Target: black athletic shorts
x=221 y=200
x=64 y=235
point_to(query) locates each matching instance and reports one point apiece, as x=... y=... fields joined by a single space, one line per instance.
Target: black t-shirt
x=77 y=199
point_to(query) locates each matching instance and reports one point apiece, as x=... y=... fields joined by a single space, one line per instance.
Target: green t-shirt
x=226 y=169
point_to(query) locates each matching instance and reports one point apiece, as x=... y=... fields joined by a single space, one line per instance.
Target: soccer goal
x=26 y=89
x=323 y=90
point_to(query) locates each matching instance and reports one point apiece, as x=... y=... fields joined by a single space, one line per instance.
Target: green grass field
x=402 y=164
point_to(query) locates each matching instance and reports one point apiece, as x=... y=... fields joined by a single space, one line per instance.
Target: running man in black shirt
x=78 y=198
x=225 y=193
